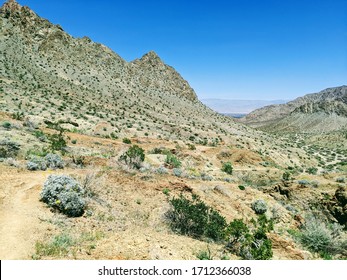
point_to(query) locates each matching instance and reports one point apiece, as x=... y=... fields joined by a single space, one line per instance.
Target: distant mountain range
x=238 y=107
x=324 y=111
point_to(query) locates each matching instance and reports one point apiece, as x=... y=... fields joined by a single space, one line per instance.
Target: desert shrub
x=156 y=151
x=321 y=237
x=79 y=160
x=250 y=244
x=340 y=179
x=39 y=134
x=18 y=116
x=57 y=142
x=303 y=182
x=194 y=218
x=286 y=176
x=133 y=157
x=36 y=163
x=227 y=168
x=8 y=148
x=204 y=255
x=6 y=125
x=312 y=170
x=65 y=194
x=242 y=188
x=162 y=170
x=172 y=161
x=259 y=206
x=126 y=141
x=191 y=147
x=177 y=172
x=38 y=152
x=206 y=177
x=54 y=161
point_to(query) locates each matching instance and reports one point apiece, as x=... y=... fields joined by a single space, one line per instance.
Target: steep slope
x=51 y=77
x=47 y=73
x=318 y=112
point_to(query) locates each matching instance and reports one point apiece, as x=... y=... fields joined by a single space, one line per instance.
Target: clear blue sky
x=237 y=49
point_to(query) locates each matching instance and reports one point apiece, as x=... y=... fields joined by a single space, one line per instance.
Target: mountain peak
x=11 y=5
x=11 y=9
x=152 y=57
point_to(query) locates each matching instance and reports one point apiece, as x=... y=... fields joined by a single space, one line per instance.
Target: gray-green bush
x=8 y=148
x=65 y=194
x=259 y=206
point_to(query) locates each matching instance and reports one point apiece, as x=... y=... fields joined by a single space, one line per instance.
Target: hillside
x=101 y=158
x=235 y=106
x=47 y=73
x=321 y=112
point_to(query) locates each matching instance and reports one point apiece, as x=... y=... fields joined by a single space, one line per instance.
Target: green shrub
x=227 y=168
x=195 y=218
x=286 y=176
x=133 y=157
x=172 y=161
x=65 y=194
x=57 y=142
x=18 y=116
x=312 y=170
x=126 y=141
x=204 y=255
x=39 y=134
x=250 y=244
x=7 y=125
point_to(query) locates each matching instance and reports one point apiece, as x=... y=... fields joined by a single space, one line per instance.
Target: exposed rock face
x=319 y=112
x=337 y=206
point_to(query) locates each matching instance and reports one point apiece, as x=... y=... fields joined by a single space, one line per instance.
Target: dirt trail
x=20 y=209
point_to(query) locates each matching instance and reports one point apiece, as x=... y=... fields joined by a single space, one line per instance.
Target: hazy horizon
x=252 y=50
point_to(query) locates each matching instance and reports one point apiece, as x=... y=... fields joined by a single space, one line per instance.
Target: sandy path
x=20 y=209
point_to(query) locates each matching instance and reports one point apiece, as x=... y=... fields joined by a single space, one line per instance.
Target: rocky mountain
x=52 y=76
x=318 y=112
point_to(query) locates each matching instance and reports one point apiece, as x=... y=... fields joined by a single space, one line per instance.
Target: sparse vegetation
x=324 y=238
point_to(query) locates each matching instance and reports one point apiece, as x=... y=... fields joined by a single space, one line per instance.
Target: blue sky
x=237 y=49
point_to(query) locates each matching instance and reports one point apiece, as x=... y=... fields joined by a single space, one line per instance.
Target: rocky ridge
x=318 y=112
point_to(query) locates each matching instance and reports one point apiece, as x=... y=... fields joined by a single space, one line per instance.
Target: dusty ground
x=125 y=217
